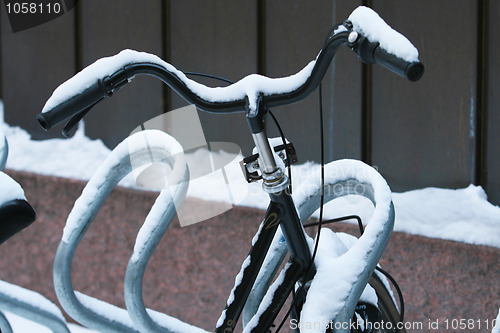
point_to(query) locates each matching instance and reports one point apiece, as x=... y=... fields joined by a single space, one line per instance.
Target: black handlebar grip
x=72 y=106
x=413 y=71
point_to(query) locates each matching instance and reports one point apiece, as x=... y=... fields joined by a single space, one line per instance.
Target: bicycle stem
x=275 y=183
x=274 y=179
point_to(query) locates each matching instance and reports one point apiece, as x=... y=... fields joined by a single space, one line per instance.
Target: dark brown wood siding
x=423 y=133
x=218 y=38
x=34 y=63
x=106 y=28
x=492 y=128
x=440 y=131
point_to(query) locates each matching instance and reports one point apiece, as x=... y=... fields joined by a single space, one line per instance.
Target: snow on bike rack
x=4 y=147
x=143 y=148
x=11 y=190
x=30 y=305
x=15 y=299
x=342 y=270
x=340 y=281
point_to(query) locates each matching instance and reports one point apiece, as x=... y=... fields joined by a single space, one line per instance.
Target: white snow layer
x=496 y=327
x=144 y=140
x=462 y=215
x=2 y=134
x=251 y=85
x=367 y=22
x=9 y=189
x=336 y=274
x=23 y=325
x=30 y=297
x=120 y=315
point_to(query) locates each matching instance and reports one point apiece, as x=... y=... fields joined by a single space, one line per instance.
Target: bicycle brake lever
x=76 y=118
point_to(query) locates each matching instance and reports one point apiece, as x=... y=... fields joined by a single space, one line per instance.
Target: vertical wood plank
x=423 y=133
x=107 y=27
x=344 y=112
x=493 y=132
x=218 y=38
x=34 y=63
x=295 y=34
x=296 y=31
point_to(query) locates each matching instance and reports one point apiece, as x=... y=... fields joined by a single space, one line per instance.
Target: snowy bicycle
x=333 y=280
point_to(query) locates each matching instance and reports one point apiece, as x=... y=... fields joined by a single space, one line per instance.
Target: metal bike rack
x=97 y=314
x=29 y=304
x=4 y=152
x=20 y=301
x=4 y=324
x=148 y=238
x=353 y=178
x=29 y=307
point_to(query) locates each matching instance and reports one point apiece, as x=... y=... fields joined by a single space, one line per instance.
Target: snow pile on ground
x=462 y=215
x=77 y=157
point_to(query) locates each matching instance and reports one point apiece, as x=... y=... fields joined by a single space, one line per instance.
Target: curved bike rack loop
x=342 y=178
x=30 y=305
x=20 y=301
x=4 y=324
x=142 y=148
x=4 y=152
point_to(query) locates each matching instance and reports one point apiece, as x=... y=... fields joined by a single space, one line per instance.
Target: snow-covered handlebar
x=365 y=32
x=375 y=42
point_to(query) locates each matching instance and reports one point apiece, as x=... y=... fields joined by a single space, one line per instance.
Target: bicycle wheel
x=387 y=307
x=384 y=317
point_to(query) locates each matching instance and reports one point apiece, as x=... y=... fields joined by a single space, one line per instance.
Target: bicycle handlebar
x=236 y=97
x=373 y=53
x=413 y=71
x=71 y=107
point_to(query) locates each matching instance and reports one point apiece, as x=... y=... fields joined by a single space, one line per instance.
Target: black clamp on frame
x=250 y=165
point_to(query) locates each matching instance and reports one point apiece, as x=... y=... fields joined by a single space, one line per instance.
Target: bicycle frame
x=253 y=283
x=282 y=212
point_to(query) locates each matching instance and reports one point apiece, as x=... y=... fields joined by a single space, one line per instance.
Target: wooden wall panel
x=107 y=27
x=493 y=125
x=34 y=63
x=423 y=133
x=344 y=111
x=295 y=34
x=218 y=38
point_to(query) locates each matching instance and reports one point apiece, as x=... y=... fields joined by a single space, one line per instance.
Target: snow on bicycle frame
x=372 y=40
